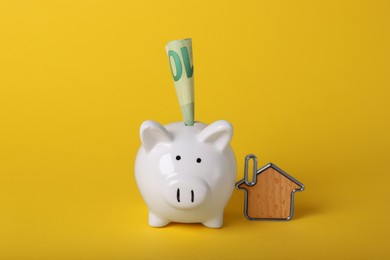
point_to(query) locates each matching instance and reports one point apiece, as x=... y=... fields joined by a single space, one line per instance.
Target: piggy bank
x=186 y=173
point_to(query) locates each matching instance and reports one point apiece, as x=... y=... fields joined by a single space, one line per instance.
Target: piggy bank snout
x=184 y=192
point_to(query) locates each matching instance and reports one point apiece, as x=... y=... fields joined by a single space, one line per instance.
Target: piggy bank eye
x=178 y=157
x=198 y=160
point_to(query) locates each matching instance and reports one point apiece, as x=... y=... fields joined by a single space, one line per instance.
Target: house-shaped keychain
x=270 y=194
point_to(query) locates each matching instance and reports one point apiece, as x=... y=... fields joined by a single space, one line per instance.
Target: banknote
x=182 y=68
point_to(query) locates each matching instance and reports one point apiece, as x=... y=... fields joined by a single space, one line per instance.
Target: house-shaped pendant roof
x=270 y=196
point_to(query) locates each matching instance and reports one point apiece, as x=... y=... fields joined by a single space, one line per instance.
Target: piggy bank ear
x=218 y=133
x=152 y=133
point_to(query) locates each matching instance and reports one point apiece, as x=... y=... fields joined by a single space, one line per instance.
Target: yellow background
x=304 y=83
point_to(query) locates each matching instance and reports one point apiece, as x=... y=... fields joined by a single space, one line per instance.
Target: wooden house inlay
x=272 y=196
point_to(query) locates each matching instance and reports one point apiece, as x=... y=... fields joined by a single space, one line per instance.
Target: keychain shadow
x=304 y=210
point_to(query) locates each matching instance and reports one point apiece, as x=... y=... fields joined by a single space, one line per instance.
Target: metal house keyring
x=270 y=194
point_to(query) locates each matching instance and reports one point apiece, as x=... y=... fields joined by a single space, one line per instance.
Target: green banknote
x=182 y=68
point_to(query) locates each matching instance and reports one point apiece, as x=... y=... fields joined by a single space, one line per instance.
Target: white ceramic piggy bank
x=186 y=173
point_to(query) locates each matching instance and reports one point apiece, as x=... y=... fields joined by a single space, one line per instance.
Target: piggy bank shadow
x=234 y=211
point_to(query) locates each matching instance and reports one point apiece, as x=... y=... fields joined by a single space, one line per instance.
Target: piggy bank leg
x=215 y=222
x=157 y=221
